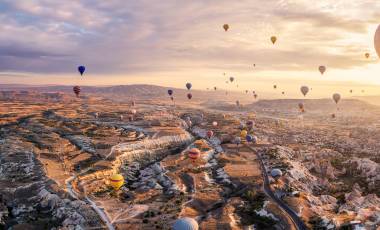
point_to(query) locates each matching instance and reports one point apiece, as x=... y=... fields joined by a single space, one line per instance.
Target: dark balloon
x=170 y=92
x=189 y=95
x=188 y=86
x=76 y=90
x=81 y=69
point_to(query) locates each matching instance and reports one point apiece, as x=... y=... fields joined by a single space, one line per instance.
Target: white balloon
x=377 y=41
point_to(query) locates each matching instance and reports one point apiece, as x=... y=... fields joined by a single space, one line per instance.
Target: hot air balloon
x=214 y=87
x=250 y=124
x=274 y=86
x=333 y=115
x=226 y=27
x=336 y=97
x=304 y=90
x=366 y=55
x=116 y=181
x=249 y=138
x=194 y=154
x=253 y=92
x=185 y=223
x=232 y=79
x=214 y=123
x=377 y=41
x=283 y=92
x=254 y=65
x=350 y=90
x=76 y=90
x=189 y=96
x=237 y=141
x=246 y=91
x=276 y=173
x=170 y=92
x=255 y=96
x=300 y=106
x=81 y=69
x=172 y=98
x=322 y=69
x=243 y=133
x=210 y=134
x=188 y=86
x=273 y=39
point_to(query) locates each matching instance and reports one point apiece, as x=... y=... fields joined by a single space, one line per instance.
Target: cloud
x=126 y=37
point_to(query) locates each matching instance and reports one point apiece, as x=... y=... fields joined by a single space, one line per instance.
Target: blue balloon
x=81 y=69
x=249 y=138
x=170 y=92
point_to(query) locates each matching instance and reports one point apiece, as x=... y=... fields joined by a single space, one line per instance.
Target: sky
x=176 y=41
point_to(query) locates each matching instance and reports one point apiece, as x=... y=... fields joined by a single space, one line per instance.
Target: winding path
x=298 y=223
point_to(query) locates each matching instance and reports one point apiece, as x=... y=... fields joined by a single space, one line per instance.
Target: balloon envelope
x=377 y=41
x=188 y=86
x=76 y=90
x=189 y=96
x=170 y=92
x=232 y=79
x=336 y=97
x=185 y=223
x=322 y=69
x=81 y=69
x=273 y=39
x=226 y=27
x=304 y=90
x=116 y=181
x=194 y=153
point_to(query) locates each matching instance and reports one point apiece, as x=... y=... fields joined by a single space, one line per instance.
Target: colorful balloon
x=194 y=154
x=116 y=181
x=76 y=90
x=243 y=133
x=377 y=41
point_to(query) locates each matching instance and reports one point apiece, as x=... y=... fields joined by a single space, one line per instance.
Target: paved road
x=299 y=224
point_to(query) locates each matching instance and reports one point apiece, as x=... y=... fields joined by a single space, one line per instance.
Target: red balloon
x=194 y=153
x=210 y=134
x=76 y=90
x=189 y=95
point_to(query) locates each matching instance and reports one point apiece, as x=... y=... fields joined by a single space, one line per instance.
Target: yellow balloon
x=116 y=181
x=243 y=133
x=273 y=39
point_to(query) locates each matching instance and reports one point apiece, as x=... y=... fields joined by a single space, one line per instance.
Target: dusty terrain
x=58 y=152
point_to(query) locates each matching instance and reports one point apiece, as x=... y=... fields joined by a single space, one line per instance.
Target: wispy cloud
x=121 y=37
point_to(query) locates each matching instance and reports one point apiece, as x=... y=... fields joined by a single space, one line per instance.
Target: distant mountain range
x=208 y=97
